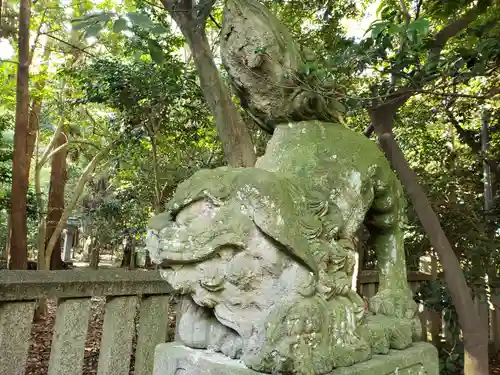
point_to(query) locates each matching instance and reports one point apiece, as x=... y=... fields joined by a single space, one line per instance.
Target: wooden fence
x=128 y=293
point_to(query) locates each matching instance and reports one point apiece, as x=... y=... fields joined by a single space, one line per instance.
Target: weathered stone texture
x=152 y=330
x=15 y=329
x=177 y=359
x=68 y=342
x=118 y=331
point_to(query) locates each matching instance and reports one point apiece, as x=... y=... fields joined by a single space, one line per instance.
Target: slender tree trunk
x=127 y=254
x=435 y=316
x=36 y=110
x=133 y=254
x=19 y=244
x=157 y=201
x=9 y=236
x=475 y=337
x=84 y=178
x=55 y=206
x=94 y=254
x=231 y=129
x=34 y=120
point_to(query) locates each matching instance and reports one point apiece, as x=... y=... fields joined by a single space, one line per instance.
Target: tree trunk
x=55 y=205
x=34 y=120
x=84 y=178
x=475 y=337
x=19 y=245
x=9 y=236
x=94 y=254
x=435 y=316
x=154 y=153
x=127 y=254
x=231 y=129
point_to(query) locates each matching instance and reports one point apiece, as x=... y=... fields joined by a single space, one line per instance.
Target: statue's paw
x=416 y=329
x=401 y=336
x=383 y=332
x=394 y=303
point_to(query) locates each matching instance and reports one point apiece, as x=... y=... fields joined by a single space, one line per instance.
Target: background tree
x=19 y=193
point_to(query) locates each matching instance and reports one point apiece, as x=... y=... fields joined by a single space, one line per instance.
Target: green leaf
x=79 y=25
x=120 y=25
x=93 y=30
x=377 y=28
x=156 y=51
x=338 y=106
x=158 y=29
x=138 y=55
x=141 y=20
x=421 y=26
x=394 y=29
x=100 y=17
x=380 y=7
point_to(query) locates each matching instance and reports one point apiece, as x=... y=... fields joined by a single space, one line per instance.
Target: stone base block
x=177 y=359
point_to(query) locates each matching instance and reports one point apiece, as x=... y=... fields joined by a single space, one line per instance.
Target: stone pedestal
x=177 y=359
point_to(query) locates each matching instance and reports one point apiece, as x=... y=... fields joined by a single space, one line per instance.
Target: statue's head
x=230 y=239
x=243 y=243
x=233 y=201
x=268 y=69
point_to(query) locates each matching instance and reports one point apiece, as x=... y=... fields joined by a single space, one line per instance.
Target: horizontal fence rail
x=31 y=285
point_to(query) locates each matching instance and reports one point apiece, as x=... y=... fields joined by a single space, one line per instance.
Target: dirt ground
x=41 y=337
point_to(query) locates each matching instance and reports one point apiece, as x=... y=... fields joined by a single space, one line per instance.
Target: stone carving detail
x=266 y=254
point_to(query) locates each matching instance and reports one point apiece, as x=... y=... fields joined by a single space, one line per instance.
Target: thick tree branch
x=475 y=334
x=455 y=27
x=59 y=149
x=176 y=6
x=84 y=178
x=231 y=129
x=203 y=10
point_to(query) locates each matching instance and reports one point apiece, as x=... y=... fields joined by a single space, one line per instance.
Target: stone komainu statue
x=266 y=254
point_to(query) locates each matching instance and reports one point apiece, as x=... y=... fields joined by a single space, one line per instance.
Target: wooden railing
x=127 y=293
